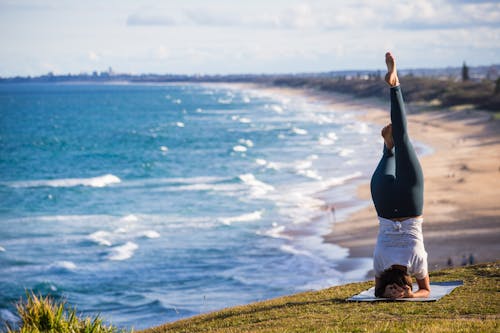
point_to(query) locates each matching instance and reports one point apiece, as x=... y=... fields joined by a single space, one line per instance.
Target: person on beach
x=397 y=191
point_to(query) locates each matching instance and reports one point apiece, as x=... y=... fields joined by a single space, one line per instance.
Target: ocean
x=149 y=203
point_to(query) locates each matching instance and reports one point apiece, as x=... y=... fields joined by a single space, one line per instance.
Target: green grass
x=43 y=314
x=474 y=307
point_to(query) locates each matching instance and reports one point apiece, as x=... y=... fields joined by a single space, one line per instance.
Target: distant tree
x=465 y=72
x=497 y=86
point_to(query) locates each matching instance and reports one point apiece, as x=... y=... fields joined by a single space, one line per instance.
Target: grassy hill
x=474 y=307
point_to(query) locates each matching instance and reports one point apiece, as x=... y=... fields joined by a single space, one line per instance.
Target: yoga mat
x=438 y=290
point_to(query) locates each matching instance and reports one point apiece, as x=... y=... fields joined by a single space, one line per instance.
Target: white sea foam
x=177 y=180
x=335 y=181
x=240 y=148
x=100 y=181
x=292 y=250
x=333 y=136
x=277 y=231
x=199 y=110
x=325 y=141
x=299 y=131
x=257 y=215
x=313 y=174
x=299 y=205
x=245 y=120
x=101 y=237
x=130 y=218
x=328 y=140
x=231 y=188
x=248 y=143
x=74 y=219
x=179 y=124
x=246 y=99
x=322 y=119
x=344 y=152
x=260 y=161
x=150 y=234
x=221 y=100
x=177 y=101
x=122 y=230
x=67 y=265
x=357 y=127
x=300 y=165
x=193 y=184
x=164 y=149
x=123 y=252
x=2 y=249
x=276 y=108
x=273 y=165
x=257 y=188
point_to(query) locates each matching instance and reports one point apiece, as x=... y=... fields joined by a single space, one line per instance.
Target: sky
x=258 y=36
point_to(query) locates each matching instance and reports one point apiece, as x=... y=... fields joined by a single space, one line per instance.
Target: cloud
x=292 y=17
x=15 y=5
x=411 y=15
x=93 y=56
x=429 y=15
x=151 y=20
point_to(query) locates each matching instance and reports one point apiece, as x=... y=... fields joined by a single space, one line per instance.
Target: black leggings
x=397 y=185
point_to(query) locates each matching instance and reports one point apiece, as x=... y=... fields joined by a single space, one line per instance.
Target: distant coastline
x=433 y=88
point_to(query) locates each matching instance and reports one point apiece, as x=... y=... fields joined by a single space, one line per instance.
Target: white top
x=400 y=243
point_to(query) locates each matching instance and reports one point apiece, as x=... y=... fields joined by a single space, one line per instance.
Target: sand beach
x=462 y=180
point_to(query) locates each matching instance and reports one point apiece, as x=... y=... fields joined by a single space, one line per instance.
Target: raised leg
x=397 y=185
x=409 y=183
x=382 y=185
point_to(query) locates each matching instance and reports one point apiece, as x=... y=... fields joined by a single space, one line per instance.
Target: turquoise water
x=150 y=203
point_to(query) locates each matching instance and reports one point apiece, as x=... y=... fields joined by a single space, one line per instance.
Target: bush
x=43 y=314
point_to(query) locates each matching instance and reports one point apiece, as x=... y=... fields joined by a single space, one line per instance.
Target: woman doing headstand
x=397 y=191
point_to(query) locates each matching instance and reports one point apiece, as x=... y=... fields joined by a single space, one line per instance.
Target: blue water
x=150 y=203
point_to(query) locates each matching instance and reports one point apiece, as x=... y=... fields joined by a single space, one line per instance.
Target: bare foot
x=392 y=76
x=387 y=135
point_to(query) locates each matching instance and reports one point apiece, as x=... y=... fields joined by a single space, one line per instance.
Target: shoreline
x=462 y=186
x=462 y=179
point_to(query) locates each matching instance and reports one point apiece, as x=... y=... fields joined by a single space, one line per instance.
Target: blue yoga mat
x=438 y=291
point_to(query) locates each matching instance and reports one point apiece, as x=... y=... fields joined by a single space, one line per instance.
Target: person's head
x=393 y=275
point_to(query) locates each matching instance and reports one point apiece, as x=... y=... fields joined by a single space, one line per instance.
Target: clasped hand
x=395 y=291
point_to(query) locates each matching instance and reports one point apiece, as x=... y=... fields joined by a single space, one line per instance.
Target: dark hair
x=390 y=276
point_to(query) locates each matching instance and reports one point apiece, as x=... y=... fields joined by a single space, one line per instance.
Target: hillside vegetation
x=474 y=307
x=479 y=94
